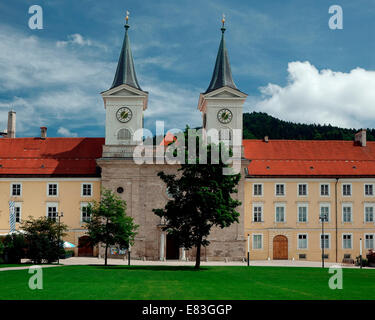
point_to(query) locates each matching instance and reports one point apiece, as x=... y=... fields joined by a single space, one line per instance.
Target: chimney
x=360 y=138
x=43 y=132
x=11 y=132
x=265 y=139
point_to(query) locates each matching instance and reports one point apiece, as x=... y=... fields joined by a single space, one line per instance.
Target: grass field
x=163 y=282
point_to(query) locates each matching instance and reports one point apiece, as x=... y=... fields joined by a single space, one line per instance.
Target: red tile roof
x=50 y=156
x=309 y=158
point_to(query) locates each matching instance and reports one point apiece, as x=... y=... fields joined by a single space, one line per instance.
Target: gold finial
x=223 y=20
x=127 y=16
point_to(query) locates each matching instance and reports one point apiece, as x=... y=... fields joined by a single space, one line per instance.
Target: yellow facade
x=303 y=237
x=42 y=196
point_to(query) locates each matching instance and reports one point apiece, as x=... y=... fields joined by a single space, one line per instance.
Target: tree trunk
x=106 y=254
x=198 y=257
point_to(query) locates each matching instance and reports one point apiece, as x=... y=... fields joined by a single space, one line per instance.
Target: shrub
x=14 y=248
x=358 y=261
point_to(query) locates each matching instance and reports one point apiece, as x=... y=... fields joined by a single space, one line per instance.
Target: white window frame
x=57 y=189
x=52 y=204
x=280 y=195
x=329 y=240
x=304 y=205
x=368 y=205
x=257 y=204
x=11 y=189
x=373 y=240
x=307 y=189
x=325 y=204
x=257 y=195
x=282 y=205
x=320 y=189
x=83 y=204
x=347 y=204
x=261 y=237
x=307 y=241
x=18 y=205
x=351 y=241
x=373 y=190
x=92 y=190
x=351 y=189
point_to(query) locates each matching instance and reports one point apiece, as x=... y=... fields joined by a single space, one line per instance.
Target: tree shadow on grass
x=149 y=268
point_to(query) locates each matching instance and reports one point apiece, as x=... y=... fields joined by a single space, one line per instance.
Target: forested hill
x=257 y=125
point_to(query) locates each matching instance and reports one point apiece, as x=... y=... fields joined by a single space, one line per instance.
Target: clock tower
x=125 y=101
x=221 y=105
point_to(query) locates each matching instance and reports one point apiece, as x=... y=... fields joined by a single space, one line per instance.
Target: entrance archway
x=173 y=251
x=84 y=248
x=280 y=248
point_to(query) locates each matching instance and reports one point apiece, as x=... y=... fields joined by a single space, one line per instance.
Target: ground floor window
x=347 y=241
x=324 y=241
x=257 y=241
x=369 y=241
x=52 y=211
x=302 y=241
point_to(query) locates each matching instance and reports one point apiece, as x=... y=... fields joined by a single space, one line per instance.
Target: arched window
x=225 y=134
x=124 y=134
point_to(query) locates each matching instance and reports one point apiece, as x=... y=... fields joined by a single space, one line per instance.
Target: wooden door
x=280 y=248
x=173 y=251
x=84 y=248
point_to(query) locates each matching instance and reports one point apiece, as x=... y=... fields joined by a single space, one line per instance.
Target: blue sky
x=282 y=53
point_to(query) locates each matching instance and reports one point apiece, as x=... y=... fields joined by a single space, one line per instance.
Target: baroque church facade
x=138 y=184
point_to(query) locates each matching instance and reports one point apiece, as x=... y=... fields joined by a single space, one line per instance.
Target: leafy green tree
x=109 y=224
x=43 y=239
x=200 y=199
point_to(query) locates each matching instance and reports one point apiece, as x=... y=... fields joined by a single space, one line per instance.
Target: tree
x=200 y=199
x=43 y=239
x=109 y=223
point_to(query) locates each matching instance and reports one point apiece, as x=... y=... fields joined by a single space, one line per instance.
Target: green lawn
x=138 y=282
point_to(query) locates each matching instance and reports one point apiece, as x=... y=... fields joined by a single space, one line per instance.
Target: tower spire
x=125 y=73
x=222 y=75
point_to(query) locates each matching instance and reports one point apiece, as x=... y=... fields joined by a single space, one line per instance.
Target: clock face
x=225 y=116
x=124 y=114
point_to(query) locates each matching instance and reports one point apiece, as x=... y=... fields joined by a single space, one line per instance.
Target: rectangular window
x=346 y=190
x=258 y=189
x=85 y=213
x=324 y=190
x=369 y=241
x=280 y=189
x=369 y=213
x=16 y=189
x=302 y=241
x=324 y=240
x=302 y=213
x=17 y=211
x=257 y=241
x=347 y=241
x=86 y=189
x=347 y=213
x=52 y=189
x=302 y=189
x=52 y=212
x=369 y=190
x=257 y=213
x=324 y=211
x=280 y=214
x=302 y=256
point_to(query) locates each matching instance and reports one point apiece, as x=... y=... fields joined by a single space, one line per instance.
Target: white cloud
x=66 y=132
x=79 y=40
x=325 y=96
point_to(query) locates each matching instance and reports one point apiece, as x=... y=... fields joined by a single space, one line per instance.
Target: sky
x=283 y=55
